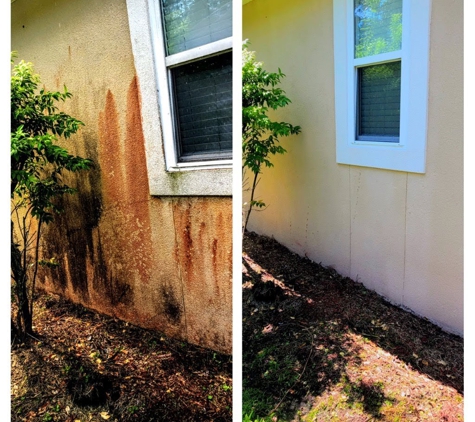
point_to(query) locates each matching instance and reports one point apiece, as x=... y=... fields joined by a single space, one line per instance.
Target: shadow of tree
x=287 y=357
x=128 y=372
x=370 y=395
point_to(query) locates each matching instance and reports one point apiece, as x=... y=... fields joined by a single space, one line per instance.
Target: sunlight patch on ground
x=377 y=385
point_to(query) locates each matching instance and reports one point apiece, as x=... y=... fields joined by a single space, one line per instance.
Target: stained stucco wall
x=159 y=262
x=399 y=233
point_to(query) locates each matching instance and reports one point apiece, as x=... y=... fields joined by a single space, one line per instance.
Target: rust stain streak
x=188 y=243
x=110 y=152
x=184 y=237
x=136 y=169
x=136 y=186
x=202 y=252
x=215 y=265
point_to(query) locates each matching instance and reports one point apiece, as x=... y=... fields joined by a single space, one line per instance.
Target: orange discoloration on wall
x=184 y=247
x=161 y=263
x=221 y=252
x=205 y=257
x=110 y=151
x=116 y=257
x=125 y=182
x=137 y=184
x=215 y=251
x=136 y=170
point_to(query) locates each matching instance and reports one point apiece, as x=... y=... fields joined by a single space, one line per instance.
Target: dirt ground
x=316 y=347
x=83 y=366
x=320 y=347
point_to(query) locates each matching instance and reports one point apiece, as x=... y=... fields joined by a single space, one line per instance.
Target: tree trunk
x=24 y=318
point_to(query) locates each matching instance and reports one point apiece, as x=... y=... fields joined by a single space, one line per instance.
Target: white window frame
x=167 y=176
x=409 y=153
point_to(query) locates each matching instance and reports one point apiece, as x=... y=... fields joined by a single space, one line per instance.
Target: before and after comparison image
x=236 y=210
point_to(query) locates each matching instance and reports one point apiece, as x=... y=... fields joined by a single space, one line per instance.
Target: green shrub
x=37 y=167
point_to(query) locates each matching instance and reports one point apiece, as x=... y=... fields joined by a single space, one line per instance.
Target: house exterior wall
x=398 y=233
x=159 y=262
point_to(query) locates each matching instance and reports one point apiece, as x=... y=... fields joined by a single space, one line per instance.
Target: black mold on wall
x=171 y=305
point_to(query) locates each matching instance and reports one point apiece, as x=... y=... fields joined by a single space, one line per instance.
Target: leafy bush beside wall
x=37 y=166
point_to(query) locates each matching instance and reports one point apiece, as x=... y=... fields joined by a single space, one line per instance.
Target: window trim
x=205 y=178
x=410 y=152
x=207 y=50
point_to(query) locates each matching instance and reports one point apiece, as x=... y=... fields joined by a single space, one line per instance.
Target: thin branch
x=34 y=338
x=253 y=189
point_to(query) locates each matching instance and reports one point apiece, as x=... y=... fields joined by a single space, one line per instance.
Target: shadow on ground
x=86 y=366
x=299 y=324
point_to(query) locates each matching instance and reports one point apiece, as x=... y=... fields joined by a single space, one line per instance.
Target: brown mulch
x=318 y=346
x=83 y=366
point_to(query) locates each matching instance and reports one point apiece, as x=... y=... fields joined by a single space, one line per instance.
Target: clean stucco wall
x=400 y=234
x=159 y=262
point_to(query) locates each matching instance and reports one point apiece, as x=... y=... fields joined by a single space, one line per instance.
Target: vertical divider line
x=180 y=277
x=351 y=216
x=237 y=204
x=405 y=245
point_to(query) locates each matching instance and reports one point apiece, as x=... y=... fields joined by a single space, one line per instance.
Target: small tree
x=260 y=135
x=37 y=166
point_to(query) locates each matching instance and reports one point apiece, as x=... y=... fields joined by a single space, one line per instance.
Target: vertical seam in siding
x=405 y=244
x=351 y=217
x=173 y=201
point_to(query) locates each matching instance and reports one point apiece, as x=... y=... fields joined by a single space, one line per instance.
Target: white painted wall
x=399 y=233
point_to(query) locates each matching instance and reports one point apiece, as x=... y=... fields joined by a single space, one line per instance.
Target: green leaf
x=37 y=162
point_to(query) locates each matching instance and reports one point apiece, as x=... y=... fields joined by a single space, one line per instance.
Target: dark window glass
x=379 y=98
x=203 y=104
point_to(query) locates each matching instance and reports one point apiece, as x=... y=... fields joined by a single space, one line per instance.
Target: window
x=381 y=82
x=195 y=79
x=183 y=59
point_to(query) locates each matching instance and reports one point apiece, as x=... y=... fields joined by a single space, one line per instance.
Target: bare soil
x=318 y=346
x=83 y=366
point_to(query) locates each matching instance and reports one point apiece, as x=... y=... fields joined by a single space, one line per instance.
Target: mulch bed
x=321 y=347
x=83 y=366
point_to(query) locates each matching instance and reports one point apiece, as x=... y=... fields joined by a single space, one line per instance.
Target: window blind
x=203 y=97
x=379 y=97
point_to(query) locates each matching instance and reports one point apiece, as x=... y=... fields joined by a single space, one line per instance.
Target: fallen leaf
x=105 y=415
